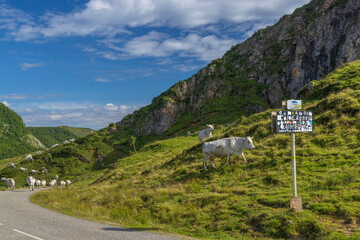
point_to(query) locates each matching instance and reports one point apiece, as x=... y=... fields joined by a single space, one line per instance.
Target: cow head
x=249 y=143
x=210 y=126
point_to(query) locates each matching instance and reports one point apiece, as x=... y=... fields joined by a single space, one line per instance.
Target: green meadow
x=163 y=185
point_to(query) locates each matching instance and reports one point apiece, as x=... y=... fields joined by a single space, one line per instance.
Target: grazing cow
x=62 y=183
x=226 y=147
x=55 y=145
x=31 y=182
x=11 y=183
x=44 y=170
x=52 y=183
x=206 y=133
x=34 y=171
x=56 y=177
x=38 y=152
x=43 y=183
x=12 y=165
x=68 y=182
x=29 y=157
x=22 y=169
x=37 y=183
x=72 y=140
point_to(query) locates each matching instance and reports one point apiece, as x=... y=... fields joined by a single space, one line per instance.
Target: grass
x=164 y=186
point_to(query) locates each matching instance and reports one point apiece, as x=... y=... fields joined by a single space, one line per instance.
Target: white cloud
x=102 y=80
x=111 y=107
x=72 y=114
x=204 y=25
x=111 y=17
x=27 y=66
x=6 y=103
x=155 y=44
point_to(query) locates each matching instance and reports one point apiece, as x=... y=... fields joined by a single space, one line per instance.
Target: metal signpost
x=291 y=121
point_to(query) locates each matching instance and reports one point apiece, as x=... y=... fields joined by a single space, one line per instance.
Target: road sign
x=294 y=121
x=293 y=104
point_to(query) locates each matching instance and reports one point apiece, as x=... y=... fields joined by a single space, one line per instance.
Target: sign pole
x=290 y=120
x=293 y=157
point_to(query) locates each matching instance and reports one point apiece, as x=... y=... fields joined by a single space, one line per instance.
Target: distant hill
x=78 y=132
x=53 y=135
x=15 y=138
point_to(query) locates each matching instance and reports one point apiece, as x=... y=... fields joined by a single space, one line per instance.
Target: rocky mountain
x=15 y=138
x=272 y=65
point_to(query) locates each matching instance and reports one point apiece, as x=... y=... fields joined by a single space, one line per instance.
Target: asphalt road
x=22 y=220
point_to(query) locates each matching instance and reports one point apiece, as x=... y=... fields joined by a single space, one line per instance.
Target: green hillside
x=164 y=186
x=78 y=132
x=53 y=135
x=15 y=139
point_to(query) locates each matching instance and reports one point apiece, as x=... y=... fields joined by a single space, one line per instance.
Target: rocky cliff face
x=275 y=63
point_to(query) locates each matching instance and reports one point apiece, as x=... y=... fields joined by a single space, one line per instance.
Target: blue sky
x=88 y=63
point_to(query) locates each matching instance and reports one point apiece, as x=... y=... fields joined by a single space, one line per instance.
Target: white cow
x=62 y=183
x=11 y=183
x=29 y=157
x=206 y=133
x=52 y=183
x=38 y=152
x=44 y=170
x=37 y=183
x=56 y=177
x=12 y=165
x=43 y=183
x=226 y=147
x=22 y=169
x=34 y=171
x=72 y=140
x=31 y=182
x=68 y=182
x=55 y=145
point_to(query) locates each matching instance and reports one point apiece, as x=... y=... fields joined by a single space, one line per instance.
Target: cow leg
x=204 y=162
x=242 y=154
x=228 y=159
x=212 y=163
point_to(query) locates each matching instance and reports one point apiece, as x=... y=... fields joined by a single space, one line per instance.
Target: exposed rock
x=284 y=58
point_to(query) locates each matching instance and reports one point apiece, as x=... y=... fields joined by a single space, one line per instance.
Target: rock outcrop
x=274 y=64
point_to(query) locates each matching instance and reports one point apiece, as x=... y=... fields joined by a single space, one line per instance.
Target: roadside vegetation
x=163 y=184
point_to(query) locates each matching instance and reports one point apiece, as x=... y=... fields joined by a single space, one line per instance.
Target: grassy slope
x=52 y=135
x=164 y=185
x=78 y=132
x=14 y=137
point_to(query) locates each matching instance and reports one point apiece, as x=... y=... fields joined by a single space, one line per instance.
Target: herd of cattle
x=225 y=147
x=31 y=181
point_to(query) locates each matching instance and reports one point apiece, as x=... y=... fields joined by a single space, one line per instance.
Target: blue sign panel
x=294 y=121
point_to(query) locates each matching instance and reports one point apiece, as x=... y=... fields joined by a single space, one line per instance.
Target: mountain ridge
x=274 y=64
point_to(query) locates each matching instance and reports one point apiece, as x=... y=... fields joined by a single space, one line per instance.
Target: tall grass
x=164 y=186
